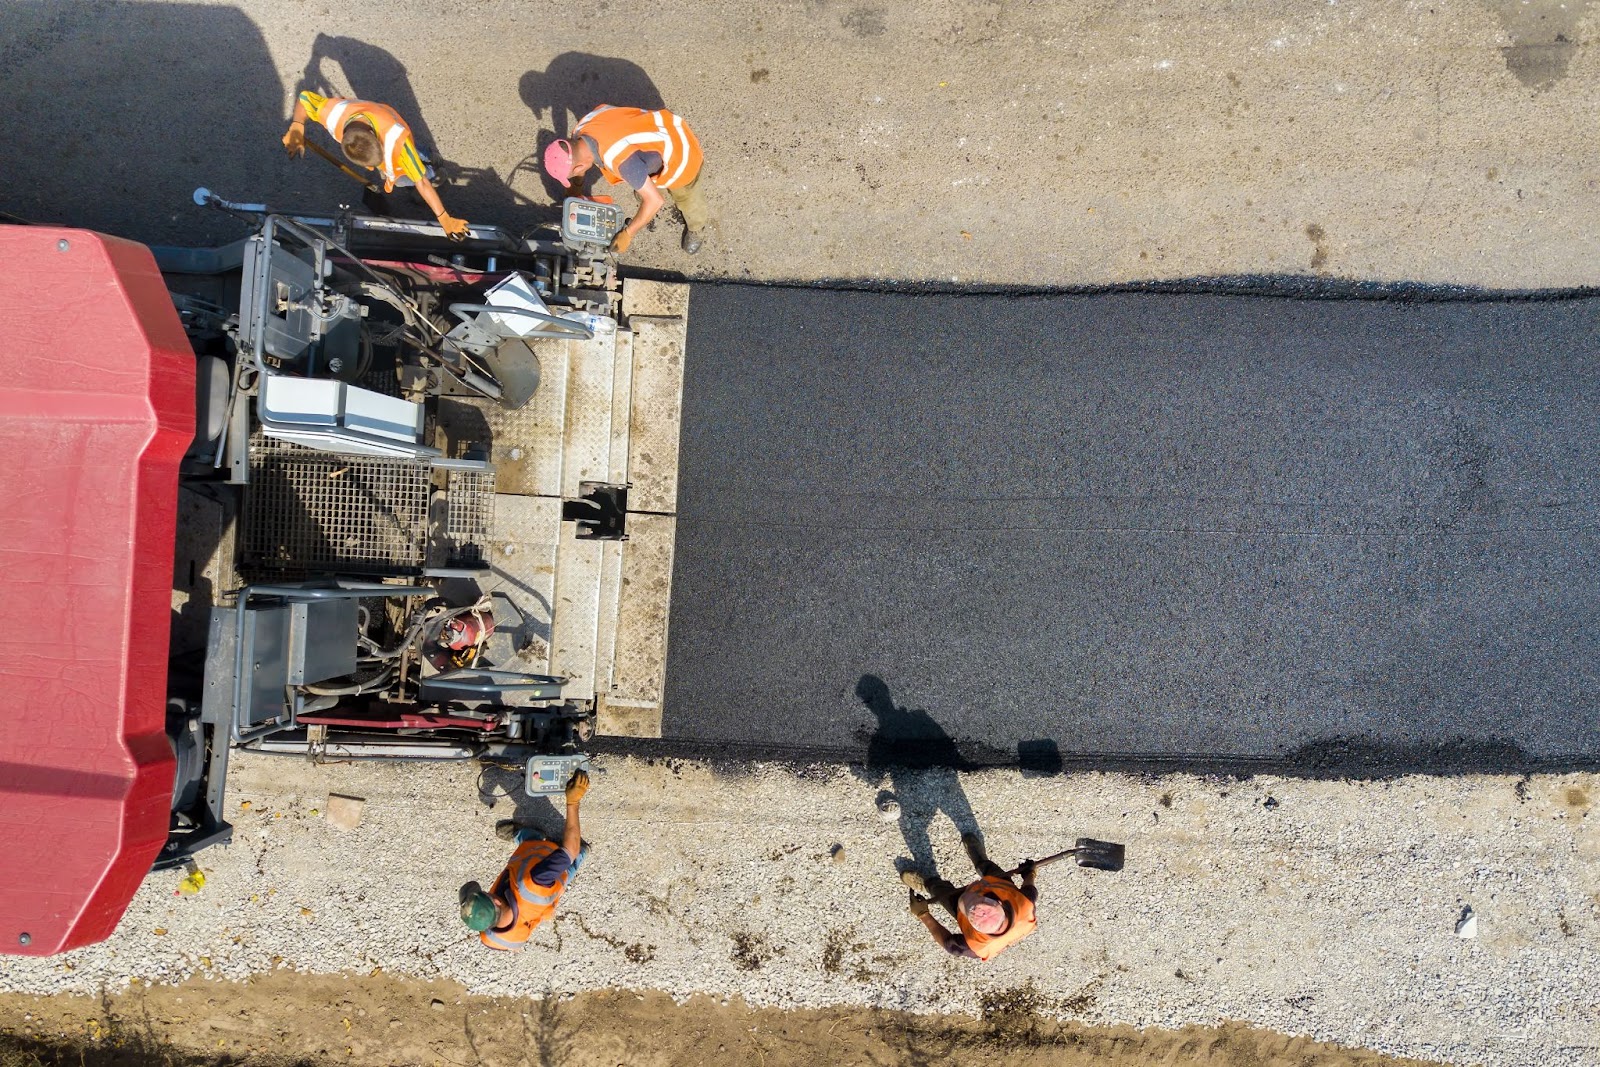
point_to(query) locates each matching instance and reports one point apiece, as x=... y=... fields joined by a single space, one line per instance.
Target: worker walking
x=527 y=891
x=373 y=136
x=654 y=152
x=991 y=914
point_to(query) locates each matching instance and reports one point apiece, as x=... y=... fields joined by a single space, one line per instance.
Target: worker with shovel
x=374 y=137
x=527 y=891
x=993 y=913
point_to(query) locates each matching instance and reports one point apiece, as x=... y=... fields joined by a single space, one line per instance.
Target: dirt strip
x=381 y=1019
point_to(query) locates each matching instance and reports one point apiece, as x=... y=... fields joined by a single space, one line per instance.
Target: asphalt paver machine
x=416 y=498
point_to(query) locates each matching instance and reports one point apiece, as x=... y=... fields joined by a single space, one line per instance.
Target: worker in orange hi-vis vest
x=654 y=152
x=373 y=136
x=991 y=914
x=527 y=891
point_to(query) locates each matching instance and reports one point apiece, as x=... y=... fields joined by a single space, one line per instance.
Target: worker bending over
x=375 y=137
x=991 y=914
x=654 y=152
x=526 y=892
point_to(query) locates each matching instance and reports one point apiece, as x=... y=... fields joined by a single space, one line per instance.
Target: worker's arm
x=954 y=944
x=650 y=201
x=572 y=836
x=454 y=228
x=294 y=141
x=1026 y=870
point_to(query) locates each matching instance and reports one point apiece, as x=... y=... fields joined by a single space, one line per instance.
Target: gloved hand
x=1025 y=870
x=577 y=786
x=454 y=228
x=620 y=243
x=917 y=905
x=294 y=141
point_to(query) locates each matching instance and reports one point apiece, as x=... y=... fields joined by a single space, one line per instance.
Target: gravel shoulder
x=1328 y=913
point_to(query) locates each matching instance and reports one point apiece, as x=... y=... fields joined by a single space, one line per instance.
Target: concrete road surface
x=1331 y=534
x=1059 y=142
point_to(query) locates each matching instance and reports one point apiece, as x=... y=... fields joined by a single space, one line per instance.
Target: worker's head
x=361 y=145
x=986 y=914
x=567 y=160
x=479 y=910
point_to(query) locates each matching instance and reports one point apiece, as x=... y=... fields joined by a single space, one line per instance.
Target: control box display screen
x=588 y=222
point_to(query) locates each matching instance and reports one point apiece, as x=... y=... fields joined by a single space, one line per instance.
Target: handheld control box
x=547 y=775
x=588 y=225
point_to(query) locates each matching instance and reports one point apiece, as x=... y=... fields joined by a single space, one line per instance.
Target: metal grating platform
x=469 y=513
x=312 y=511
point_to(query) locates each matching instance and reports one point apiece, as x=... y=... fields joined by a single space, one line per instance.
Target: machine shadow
x=922 y=766
x=146 y=102
x=574 y=84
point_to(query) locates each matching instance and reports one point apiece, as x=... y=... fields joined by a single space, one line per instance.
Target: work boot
x=914 y=880
x=691 y=240
x=974 y=846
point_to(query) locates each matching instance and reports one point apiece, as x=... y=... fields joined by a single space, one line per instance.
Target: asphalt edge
x=1283 y=286
x=1344 y=759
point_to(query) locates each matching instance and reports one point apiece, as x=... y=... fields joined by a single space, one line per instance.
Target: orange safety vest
x=390 y=127
x=621 y=131
x=988 y=946
x=531 y=903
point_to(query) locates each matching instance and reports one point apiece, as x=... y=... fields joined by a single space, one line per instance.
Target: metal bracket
x=601 y=513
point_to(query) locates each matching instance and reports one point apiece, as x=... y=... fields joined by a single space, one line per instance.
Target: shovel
x=1101 y=855
x=337 y=162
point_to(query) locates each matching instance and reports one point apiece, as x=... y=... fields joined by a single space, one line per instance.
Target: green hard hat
x=478 y=911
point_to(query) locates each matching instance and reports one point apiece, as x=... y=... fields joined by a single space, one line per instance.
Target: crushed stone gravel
x=1331 y=913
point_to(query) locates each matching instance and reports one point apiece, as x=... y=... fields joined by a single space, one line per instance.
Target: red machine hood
x=96 y=411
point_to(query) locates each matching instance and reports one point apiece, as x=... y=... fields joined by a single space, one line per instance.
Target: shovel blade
x=1101 y=855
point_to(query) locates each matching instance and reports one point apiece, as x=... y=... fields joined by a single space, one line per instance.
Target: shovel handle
x=331 y=158
x=1053 y=858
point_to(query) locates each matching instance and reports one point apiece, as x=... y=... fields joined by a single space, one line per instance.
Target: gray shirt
x=635 y=168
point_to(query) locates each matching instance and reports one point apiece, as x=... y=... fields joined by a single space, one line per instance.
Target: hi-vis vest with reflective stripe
x=531 y=903
x=385 y=120
x=622 y=131
x=1023 y=922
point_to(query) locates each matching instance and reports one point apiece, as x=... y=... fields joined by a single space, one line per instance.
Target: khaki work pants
x=692 y=204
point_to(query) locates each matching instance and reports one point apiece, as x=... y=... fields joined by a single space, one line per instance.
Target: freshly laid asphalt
x=1322 y=536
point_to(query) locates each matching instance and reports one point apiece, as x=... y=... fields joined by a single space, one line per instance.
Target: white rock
x=343 y=811
x=1467 y=925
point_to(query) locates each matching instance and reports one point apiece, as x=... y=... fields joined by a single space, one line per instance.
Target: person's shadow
x=500 y=790
x=372 y=73
x=921 y=763
x=574 y=84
